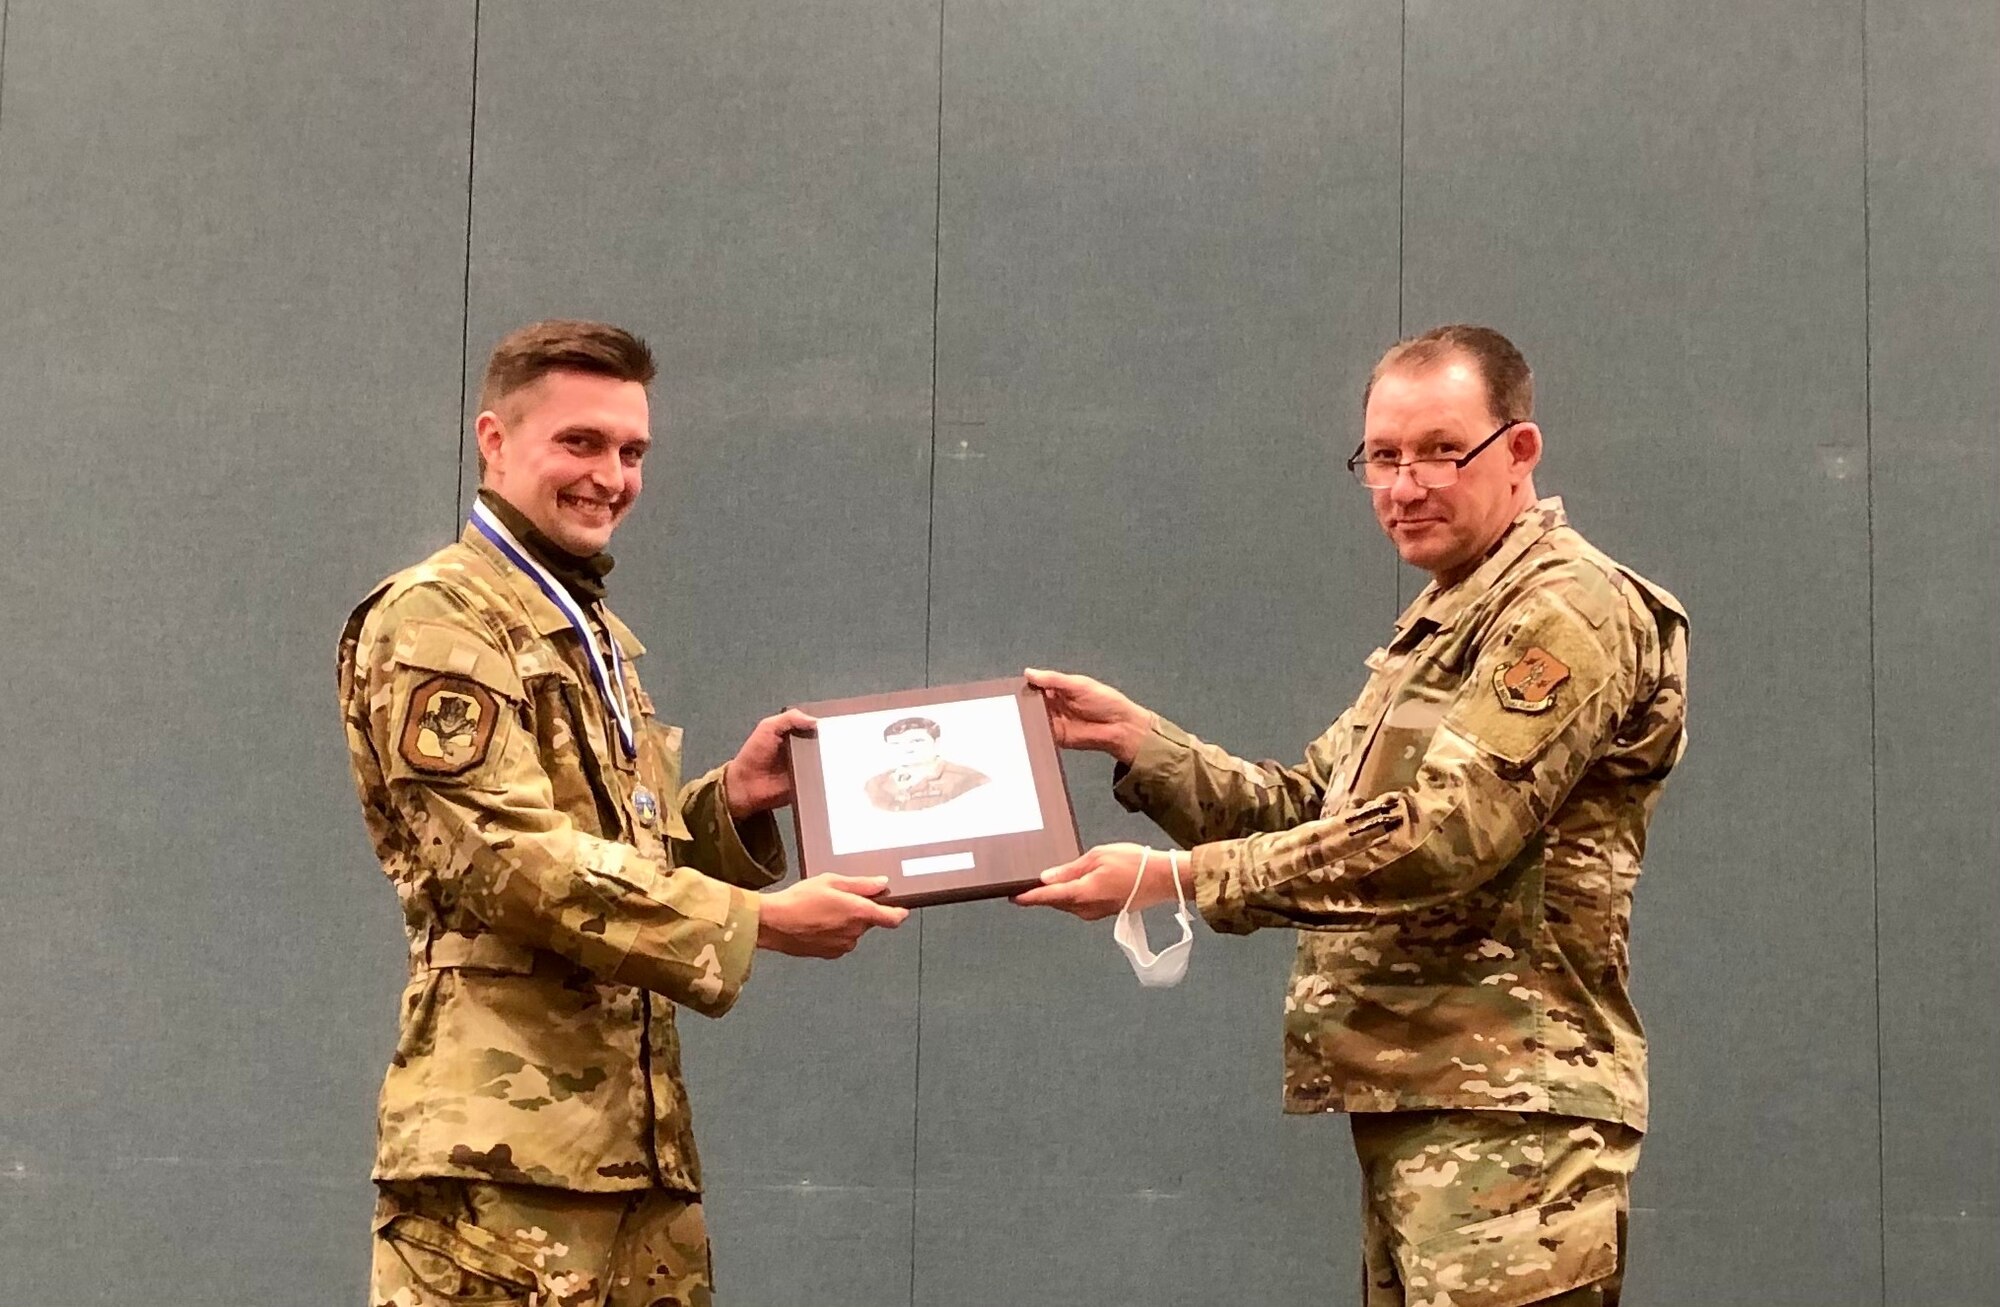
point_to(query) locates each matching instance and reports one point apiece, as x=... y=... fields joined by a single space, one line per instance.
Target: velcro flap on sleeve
x=436 y=647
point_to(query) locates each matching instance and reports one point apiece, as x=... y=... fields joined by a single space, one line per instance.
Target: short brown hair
x=1510 y=386
x=526 y=355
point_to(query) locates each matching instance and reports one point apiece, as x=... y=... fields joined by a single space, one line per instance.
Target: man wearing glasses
x=1457 y=852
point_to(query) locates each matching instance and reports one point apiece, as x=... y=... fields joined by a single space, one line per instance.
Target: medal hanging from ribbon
x=610 y=677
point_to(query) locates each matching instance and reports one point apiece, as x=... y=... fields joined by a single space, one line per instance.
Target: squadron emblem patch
x=448 y=725
x=1529 y=683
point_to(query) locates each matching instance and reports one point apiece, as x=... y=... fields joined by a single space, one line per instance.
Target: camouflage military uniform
x=461 y=1241
x=1458 y=852
x=559 y=899
x=893 y=791
x=1492 y=1209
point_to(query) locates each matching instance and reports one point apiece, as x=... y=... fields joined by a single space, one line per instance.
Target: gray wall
x=996 y=333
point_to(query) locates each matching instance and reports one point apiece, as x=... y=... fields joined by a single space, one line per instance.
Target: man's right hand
x=1088 y=714
x=824 y=916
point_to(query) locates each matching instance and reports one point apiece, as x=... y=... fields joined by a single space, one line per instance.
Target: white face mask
x=1164 y=969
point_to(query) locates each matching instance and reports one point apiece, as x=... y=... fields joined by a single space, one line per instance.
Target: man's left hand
x=1095 y=885
x=759 y=777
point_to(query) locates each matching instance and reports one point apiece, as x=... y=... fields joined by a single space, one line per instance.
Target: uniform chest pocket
x=656 y=814
x=570 y=750
x=1410 y=695
x=1419 y=699
x=1442 y=661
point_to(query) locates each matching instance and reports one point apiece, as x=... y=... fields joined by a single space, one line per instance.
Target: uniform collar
x=582 y=576
x=543 y=614
x=1441 y=608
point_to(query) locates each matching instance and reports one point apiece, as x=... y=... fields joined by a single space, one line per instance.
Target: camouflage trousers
x=1493 y=1209
x=444 y=1241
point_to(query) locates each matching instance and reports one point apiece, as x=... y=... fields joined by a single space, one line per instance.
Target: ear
x=488 y=430
x=1524 y=449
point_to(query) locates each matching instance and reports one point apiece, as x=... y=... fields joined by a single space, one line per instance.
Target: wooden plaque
x=953 y=792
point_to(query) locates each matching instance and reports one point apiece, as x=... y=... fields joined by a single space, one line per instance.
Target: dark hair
x=526 y=355
x=902 y=724
x=1510 y=386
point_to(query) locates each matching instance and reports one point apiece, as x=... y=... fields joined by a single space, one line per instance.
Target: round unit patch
x=448 y=725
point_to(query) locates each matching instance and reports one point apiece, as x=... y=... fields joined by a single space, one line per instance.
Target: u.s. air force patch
x=1529 y=683
x=448 y=725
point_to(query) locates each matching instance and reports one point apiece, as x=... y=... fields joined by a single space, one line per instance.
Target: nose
x=1404 y=489
x=607 y=472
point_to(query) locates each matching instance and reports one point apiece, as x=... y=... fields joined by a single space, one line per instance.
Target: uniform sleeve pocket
x=1522 y=1257
x=1527 y=688
x=451 y=697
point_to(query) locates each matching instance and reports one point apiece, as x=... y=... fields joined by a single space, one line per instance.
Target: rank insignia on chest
x=1529 y=684
x=646 y=806
x=447 y=726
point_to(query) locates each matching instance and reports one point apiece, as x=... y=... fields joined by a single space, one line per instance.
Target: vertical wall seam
x=1402 y=169
x=1402 y=152
x=937 y=279
x=930 y=561
x=458 y=507
x=3 y=61
x=1874 y=670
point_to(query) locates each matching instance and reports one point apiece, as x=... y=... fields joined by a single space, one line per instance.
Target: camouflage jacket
x=1459 y=849
x=558 y=897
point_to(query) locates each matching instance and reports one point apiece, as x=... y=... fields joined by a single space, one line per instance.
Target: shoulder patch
x=1530 y=682
x=448 y=726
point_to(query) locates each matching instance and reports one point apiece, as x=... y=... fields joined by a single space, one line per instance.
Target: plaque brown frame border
x=1003 y=864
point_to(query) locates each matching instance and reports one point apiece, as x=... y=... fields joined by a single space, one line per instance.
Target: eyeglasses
x=1433 y=473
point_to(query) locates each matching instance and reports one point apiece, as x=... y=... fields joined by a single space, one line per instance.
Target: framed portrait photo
x=953 y=792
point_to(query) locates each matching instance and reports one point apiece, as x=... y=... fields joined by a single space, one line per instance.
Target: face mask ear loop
x=1181 y=898
x=1136 y=880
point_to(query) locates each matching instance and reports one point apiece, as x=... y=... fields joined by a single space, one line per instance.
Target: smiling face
x=1439 y=410
x=567 y=451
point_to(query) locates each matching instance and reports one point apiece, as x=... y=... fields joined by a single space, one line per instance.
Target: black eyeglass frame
x=1355 y=463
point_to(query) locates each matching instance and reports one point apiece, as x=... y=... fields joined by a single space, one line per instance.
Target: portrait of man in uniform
x=911 y=774
x=919 y=776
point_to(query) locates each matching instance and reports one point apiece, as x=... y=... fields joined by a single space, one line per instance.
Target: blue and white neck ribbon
x=610 y=678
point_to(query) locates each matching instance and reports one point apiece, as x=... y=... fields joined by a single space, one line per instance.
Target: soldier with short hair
x=562 y=891
x=1457 y=853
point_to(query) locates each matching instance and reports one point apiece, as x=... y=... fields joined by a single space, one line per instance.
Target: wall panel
x=751 y=187
x=1934 y=245
x=1751 y=251
x=1168 y=257
x=229 y=359
x=1661 y=203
